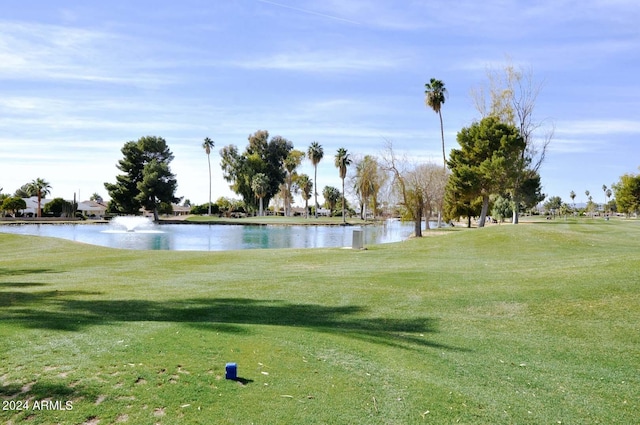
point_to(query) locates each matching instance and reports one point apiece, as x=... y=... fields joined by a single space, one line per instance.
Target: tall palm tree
x=260 y=186
x=208 y=144
x=435 y=96
x=342 y=161
x=41 y=189
x=572 y=195
x=315 y=154
x=306 y=186
x=291 y=162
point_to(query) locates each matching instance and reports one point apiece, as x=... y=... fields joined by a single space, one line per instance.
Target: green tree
x=512 y=96
x=331 y=196
x=207 y=145
x=315 y=154
x=143 y=161
x=260 y=186
x=342 y=161
x=459 y=201
x=530 y=193
x=306 y=187
x=229 y=205
x=502 y=208
x=435 y=96
x=13 y=204
x=485 y=164
x=59 y=208
x=41 y=188
x=553 y=204
x=627 y=194
x=260 y=156
x=157 y=188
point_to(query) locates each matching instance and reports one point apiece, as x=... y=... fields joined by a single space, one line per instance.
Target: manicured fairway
x=530 y=324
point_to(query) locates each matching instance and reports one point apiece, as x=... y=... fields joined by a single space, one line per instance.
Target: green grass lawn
x=529 y=324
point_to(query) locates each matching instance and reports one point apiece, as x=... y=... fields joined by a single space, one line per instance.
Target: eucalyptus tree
x=262 y=155
x=342 y=162
x=41 y=188
x=260 y=186
x=315 y=154
x=627 y=192
x=435 y=96
x=368 y=180
x=208 y=144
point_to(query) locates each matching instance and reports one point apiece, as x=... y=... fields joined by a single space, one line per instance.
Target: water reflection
x=217 y=237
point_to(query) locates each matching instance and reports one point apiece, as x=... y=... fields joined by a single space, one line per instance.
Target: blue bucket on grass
x=231 y=371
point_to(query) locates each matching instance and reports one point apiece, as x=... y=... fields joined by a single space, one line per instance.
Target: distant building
x=92 y=209
x=181 y=209
x=32 y=206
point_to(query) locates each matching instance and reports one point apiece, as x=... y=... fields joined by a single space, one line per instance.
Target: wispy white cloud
x=78 y=83
x=591 y=128
x=574 y=146
x=325 y=61
x=31 y=51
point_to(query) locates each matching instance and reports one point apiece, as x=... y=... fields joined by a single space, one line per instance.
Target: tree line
x=494 y=170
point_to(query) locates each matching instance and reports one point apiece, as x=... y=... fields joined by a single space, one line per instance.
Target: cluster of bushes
x=223 y=206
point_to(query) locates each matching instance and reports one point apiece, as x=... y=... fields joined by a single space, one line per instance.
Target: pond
x=215 y=237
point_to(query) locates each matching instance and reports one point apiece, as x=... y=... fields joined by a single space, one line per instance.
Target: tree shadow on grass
x=18 y=298
x=62 y=311
x=22 y=272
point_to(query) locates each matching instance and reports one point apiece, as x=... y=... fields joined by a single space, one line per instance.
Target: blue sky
x=78 y=79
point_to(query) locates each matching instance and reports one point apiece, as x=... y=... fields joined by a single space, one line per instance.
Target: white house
x=32 y=206
x=92 y=209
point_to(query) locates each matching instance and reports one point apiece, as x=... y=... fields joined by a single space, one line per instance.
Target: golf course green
x=537 y=323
